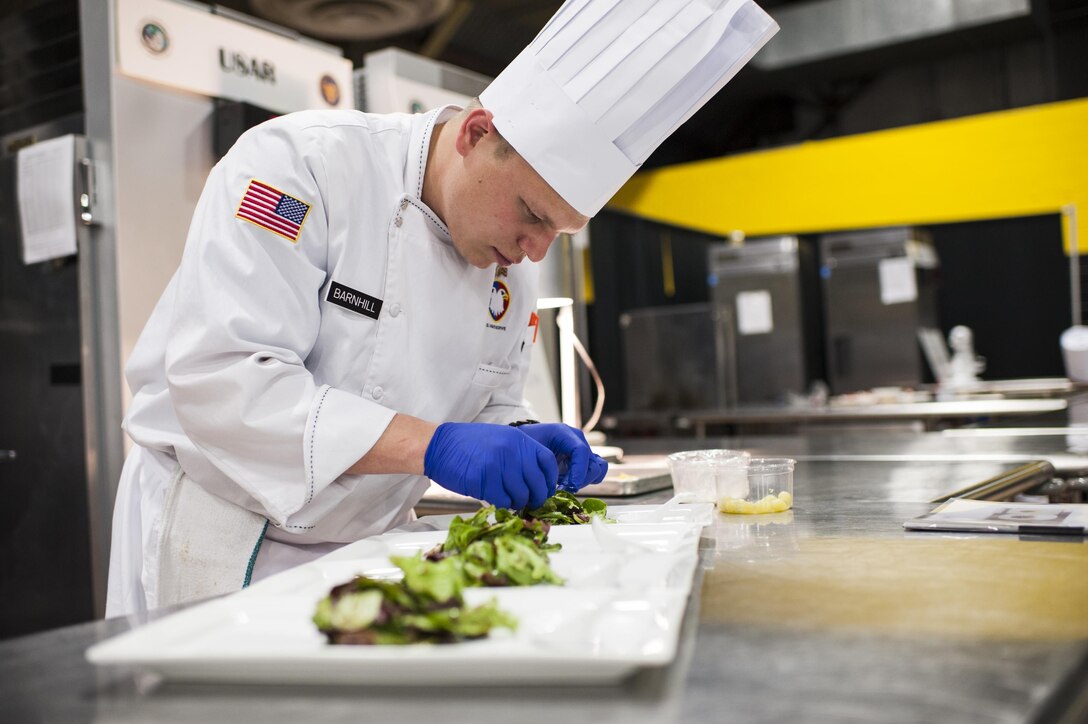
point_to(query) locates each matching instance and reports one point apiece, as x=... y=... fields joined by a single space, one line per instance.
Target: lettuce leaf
x=564 y=508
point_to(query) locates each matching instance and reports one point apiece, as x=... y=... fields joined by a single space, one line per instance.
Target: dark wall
x=1008 y=280
x=40 y=68
x=628 y=273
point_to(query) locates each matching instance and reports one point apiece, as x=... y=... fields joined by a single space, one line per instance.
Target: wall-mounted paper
x=47 y=199
x=897 y=283
x=754 y=314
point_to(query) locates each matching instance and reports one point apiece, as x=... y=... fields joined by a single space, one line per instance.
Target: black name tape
x=353 y=300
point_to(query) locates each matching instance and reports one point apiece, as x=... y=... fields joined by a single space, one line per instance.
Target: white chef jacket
x=264 y=371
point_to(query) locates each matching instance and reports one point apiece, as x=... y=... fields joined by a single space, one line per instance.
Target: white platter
x=600 y=570
x=620 y=610
x=698 y=513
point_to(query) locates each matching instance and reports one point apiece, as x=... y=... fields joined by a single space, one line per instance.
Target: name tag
x=354 y=300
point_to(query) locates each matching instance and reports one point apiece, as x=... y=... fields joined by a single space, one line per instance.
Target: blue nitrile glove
x=572 y=452
x=595 y=472
x=598 y=468
x=495 y=463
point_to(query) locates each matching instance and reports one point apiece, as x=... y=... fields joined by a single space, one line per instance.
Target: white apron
x=256 y=379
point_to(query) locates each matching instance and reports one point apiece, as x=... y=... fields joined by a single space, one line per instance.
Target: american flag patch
x=274 y=210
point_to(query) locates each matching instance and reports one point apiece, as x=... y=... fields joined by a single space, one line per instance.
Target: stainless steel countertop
x=901 y=410
x=1066 y=448
x=991 y=401
x=926 y=412
x=830 y=612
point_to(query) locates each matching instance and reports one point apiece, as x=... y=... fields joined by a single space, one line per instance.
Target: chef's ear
x=475 y=126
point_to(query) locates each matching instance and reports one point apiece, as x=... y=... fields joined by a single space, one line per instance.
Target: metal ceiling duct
x=823 y=29
x=352 y=19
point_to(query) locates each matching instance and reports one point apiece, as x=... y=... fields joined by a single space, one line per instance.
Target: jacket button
x=377 y=393
x=398 y=221
x=403 y=204
x=394 y=310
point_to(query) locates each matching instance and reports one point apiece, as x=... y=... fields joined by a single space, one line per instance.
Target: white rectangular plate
x=700 y=513
x=619 y=611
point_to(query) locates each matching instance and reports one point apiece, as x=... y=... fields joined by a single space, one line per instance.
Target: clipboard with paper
x=984 y=516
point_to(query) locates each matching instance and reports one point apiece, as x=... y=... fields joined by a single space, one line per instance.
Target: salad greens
x=494 y=547
x=499 y=547
x=565 y=509
x=506 y=561
x=426 y=607
x=508 y=551
x=507 y=523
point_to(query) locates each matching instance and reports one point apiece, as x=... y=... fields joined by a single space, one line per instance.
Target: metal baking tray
x=624 y=480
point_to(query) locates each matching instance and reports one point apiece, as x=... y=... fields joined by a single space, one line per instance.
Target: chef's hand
x=495 y=463
x=598 y=468
x=571 y=450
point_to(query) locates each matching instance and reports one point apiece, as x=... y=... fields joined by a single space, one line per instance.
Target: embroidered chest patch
x=499 y=304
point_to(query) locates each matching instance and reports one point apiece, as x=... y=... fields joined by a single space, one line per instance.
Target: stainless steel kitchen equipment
x=878 y=291
x=142 y=152
x=767 y=289
x=42 y=381
x=672 y=357
x=47 y=520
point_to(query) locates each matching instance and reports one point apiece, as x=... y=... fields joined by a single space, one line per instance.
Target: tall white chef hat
x=606 y=81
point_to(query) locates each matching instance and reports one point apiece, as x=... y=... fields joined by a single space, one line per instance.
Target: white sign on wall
x=187 y=48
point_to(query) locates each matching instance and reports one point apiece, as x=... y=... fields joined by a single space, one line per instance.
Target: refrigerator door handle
x=86 y=190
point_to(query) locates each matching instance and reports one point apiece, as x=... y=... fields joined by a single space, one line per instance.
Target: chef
x=350 y=318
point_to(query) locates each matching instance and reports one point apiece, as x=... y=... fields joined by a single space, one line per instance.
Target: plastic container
x=710 y=474
x=770 y=488
x=1074 y=342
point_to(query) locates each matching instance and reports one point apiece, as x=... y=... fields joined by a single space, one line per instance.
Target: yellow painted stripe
x=668 y=276
x=1011 y=163
x=589 y=292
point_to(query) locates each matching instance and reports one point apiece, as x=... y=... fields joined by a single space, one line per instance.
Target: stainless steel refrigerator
x=879 y=290
x=766 y=289
x=143 y=152
x=673 y=357
x=45 y=548
x=48 y=522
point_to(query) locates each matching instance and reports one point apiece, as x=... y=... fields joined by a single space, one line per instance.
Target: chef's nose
x=535 y=244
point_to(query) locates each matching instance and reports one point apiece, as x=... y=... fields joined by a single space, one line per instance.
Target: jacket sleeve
x=246 y=317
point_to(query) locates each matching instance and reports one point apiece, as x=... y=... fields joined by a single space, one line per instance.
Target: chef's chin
x=483 y=262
